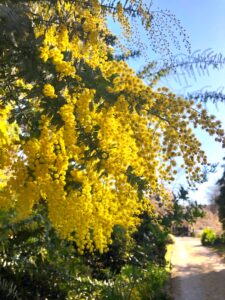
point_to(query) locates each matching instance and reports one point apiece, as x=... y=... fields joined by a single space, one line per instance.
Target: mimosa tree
x=79 y=130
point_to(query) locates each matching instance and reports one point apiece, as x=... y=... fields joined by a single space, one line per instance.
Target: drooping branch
x=199 y=63
x=207 y=96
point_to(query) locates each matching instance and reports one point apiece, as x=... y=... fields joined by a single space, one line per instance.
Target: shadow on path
x=198 y=272
x=204 y=286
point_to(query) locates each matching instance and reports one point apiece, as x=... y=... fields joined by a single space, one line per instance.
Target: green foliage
x=136 y=267
x=188 y=66
x=150 y=242
x=183 y=211
x=37 y=264
x=35 y=261
x=8 y=290
x=208 y=237
x=136 y=283
x=147 y=244
x=207 y=96
x=221 y=200
x=221 y=239
x=106 y=265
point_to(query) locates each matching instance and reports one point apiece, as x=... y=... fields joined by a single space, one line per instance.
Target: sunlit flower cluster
x=49 y=91
x=105 y=143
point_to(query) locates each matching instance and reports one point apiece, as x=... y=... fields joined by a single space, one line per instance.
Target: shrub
x=222 y=238
x=136 y=283
x=208 y=237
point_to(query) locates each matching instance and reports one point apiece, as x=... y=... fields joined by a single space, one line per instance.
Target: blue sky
x=204 y=21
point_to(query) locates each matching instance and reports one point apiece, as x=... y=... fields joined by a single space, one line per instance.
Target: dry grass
x=210 y=220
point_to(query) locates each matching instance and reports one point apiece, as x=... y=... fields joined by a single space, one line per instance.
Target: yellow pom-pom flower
x=49 y=91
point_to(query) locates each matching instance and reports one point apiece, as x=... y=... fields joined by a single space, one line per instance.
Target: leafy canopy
x=79 y=130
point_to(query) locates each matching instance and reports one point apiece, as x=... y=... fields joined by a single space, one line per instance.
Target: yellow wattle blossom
x=98 y=154
x=22 y=84
x=123 y=20
x=49 y=91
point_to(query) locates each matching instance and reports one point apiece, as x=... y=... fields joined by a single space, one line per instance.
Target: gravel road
x=198 y=272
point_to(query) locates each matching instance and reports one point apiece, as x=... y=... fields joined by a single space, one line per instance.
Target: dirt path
x=198 y=272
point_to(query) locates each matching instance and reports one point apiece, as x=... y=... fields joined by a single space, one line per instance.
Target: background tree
x=184 y=213
x=220 y=200
x=82 y=132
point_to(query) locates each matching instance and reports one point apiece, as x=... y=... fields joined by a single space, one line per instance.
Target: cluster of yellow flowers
x=49 y=91
x=9 y=139
x=114 y=129
x=123 y=20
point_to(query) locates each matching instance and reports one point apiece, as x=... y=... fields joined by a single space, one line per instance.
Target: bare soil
x=198 y=272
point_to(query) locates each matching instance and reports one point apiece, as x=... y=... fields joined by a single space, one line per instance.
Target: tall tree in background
x=80 y=131
x=220 y=200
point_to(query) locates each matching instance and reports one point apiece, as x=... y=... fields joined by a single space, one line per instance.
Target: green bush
x=136 y=283
x=222 y=238
x=208 y=237
x=34 y=257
